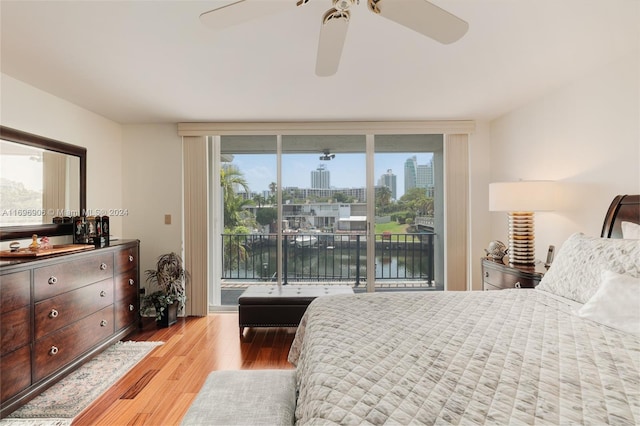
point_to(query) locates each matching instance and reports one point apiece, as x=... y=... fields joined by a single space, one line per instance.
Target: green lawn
x=393 y=227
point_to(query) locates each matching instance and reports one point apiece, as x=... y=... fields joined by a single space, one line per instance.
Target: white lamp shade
x=523 y=196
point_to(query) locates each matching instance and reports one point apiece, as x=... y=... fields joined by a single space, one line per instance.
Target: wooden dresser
x=58 y=312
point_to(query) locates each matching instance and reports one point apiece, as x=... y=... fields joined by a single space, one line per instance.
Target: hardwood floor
x=160 y=389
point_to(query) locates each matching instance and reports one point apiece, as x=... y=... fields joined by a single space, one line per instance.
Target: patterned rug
x=58 y=405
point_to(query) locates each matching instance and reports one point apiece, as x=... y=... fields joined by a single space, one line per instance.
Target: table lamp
x=521 y=199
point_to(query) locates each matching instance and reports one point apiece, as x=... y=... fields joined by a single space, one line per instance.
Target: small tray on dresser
x=56 y=249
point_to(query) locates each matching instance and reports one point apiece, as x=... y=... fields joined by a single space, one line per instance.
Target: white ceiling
x=153 y=61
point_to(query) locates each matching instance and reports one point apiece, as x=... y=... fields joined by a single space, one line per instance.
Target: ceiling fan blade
x=423 y=17
x=332 y=36
x=242 y=11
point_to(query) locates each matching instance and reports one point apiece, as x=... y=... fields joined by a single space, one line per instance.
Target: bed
x=567 y=352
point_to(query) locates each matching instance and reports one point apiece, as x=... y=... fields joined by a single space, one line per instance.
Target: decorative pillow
x=575 y=273
x=616 y=303
x=630 y=230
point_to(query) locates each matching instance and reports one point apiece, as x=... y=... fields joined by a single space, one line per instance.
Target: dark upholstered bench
x=273 y=306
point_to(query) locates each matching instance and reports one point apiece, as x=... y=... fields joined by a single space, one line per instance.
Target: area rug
x=58 y=405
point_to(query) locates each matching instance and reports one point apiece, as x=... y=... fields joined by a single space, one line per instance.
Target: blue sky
x=347 y=170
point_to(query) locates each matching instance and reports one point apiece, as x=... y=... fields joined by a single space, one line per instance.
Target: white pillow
x=575 y=272
x=630 y=230
x=616 y=303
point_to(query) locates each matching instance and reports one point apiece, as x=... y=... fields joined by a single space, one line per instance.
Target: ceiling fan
x=419 y=15
x=327 y=155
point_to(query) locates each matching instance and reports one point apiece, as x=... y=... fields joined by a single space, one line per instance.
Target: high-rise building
x=425 y=175
x=418 y=175
x=410 y=173
x=389 y=180
x=320 y=178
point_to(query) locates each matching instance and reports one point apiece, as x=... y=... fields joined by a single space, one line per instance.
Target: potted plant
x=169 y=278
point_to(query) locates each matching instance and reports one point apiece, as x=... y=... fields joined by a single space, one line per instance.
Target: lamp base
x=521 y=238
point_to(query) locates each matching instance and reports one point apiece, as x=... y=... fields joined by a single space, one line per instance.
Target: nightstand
x=498 y=275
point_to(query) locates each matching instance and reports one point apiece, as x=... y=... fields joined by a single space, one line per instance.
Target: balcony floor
x=232 y=290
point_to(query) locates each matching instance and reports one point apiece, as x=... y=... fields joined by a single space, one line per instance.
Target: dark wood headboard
x=623 y=208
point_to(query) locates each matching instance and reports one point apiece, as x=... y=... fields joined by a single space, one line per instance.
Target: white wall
x=137 y=168
x=586 y=135
x=152 y=176
x=26 y=108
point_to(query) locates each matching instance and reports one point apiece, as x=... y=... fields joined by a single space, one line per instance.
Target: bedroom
x=564 y=125
x=580 y=127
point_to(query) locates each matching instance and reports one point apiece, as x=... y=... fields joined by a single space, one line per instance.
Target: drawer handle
x=103 y=323
x=103 y=266
x=131 y=281
x=53 y=350
x=132 y=308
x=52 y=280
x=130 y=258
x=486 y=275
x=53 y=314
x=518 y=285
x=103 y=293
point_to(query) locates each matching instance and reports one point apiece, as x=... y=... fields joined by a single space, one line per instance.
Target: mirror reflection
x=43 y=181
x=37 y=185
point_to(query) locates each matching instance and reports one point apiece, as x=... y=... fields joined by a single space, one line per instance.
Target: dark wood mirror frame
x=49 y=229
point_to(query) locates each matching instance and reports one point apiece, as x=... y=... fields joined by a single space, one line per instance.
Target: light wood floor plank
x=160 y=389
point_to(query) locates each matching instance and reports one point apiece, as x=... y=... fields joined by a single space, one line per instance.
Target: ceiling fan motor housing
x=343 y=4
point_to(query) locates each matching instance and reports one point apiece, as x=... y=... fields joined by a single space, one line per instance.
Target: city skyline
x=347 y=170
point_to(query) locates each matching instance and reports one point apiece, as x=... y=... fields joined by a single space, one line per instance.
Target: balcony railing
x=327 y=257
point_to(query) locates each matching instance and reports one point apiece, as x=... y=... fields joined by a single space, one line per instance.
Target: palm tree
x=230 y=178
x=259 y=200
x=273 y=188
x=383 y=198
x=427 y=206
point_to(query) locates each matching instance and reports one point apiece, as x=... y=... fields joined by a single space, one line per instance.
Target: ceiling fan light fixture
x=343 y=4
x=373 y=6
x=333 y=14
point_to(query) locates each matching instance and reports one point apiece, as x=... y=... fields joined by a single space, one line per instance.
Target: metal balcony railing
x=323 y=257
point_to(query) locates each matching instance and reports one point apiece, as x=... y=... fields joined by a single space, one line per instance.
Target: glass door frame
x=206 y=130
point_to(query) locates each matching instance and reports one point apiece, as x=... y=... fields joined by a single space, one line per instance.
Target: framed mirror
x=40 y=179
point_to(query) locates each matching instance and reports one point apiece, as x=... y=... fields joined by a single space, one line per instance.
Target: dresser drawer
x=126 y=259
x=126 y=312
x=16 y=372
x=487 y=286
x=52 y=280
x=126 y=285
x=15 y=290
x=60 y=311
x=503 y=279
x=58 y=349
x=14 y=329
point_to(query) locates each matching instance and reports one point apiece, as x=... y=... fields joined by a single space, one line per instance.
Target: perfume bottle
x=34 y=246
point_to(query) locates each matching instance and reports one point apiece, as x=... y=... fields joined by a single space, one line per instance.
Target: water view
x=325 y=257
x=318 y=214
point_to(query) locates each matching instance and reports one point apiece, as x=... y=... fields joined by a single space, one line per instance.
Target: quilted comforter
x=499 y=357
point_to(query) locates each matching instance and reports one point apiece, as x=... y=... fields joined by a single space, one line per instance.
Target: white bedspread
x=497 y=357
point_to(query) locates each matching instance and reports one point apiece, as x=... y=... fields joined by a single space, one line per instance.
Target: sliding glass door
x=323 y=208
x=357 y=210
x=408 y=213
x=249 y=211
